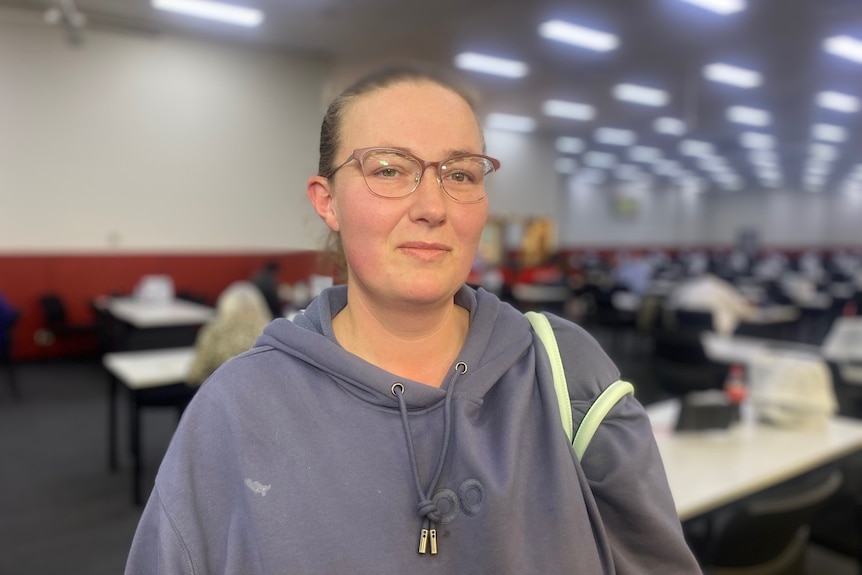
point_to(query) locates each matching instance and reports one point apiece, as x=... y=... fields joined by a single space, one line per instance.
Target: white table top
x=744 y=349
x=144 y=314
x=150 y=368
x=844 y=340
x=709 y=469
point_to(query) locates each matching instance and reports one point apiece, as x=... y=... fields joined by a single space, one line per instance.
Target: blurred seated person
x=634 y=273
x=266 y=280
x=708 y=292
x=241 y=315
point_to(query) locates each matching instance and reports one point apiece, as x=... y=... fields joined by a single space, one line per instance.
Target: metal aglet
x=423 y=542
x=433 y=542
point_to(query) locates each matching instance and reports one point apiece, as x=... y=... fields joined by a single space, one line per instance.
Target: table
x=843 y=343
x=152 y=377
x=144 y=314
x=134 y=323
x=707 y=470
x=730 y=349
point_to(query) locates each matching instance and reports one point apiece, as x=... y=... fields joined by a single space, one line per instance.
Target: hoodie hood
x=309 y=338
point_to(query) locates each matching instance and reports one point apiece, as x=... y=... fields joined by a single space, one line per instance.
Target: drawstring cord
x=427 y=508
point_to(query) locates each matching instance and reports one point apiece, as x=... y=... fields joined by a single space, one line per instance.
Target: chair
x=768 y=533
x=57 y=325
x=8 y=319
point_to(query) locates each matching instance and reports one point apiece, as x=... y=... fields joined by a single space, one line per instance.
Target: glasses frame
x=359 y=153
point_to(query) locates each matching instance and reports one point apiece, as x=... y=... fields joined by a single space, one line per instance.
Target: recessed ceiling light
x=756 y=141
x=714 y=164
x=229 y=13
x=599 y=160
x=823 y=152
x=491 y=65
x=838 y=102
x=570 y=110
x=614 y=137
x=578 y=35
x=719 y=6
x=749 y=116
x=695 y=148
x=670 y=126
x=569 y=145
x=828 y=133
x=733 y=75
x=510 y=122
x=640 y=95
x=845 y=47
x=644 y=154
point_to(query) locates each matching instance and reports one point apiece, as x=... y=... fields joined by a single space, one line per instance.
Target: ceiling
x=663 y=44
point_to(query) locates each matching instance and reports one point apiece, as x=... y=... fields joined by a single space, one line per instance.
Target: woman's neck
x=420 y=345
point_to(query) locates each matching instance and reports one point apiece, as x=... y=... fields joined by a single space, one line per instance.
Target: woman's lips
x=425 y=250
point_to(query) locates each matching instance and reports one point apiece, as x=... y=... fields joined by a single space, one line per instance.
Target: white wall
x=154 y=143
x=131 y=142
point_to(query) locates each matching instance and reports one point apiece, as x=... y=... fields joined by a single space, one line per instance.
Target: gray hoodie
x=298 y=457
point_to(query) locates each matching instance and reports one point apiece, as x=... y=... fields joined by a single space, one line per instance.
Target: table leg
x=135 y=435
x=112 y=423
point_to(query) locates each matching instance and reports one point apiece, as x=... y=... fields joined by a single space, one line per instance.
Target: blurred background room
x=681 y=177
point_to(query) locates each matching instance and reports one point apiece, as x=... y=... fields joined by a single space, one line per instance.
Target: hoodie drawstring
x=427 y=508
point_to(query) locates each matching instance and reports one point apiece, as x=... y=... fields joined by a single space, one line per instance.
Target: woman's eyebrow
x=448 y=153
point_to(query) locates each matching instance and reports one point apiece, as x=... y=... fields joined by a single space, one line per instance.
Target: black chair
x=768 y=533
x=8 y=319
x=56 y=322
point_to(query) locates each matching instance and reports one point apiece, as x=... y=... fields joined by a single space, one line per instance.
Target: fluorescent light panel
x=614 y=136
x=696 y=148
x=599 y=160
x=510 y=122
x=670 y=126
x=581 y=36
x=844 y=47
x=828 y=133
x=756 y=141
x=229 y=13
x=640 y=95
x=569 y=145
x=719 y=6
x=727 y=74
x=491 y=65
x=749 y=116
x=569 y=110
x=824 y=152
x=838 y=102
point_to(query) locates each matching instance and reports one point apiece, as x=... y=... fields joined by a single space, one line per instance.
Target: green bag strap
x=543 y=329
x=600 y=407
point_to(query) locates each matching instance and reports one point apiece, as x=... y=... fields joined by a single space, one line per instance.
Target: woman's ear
x=321 y=197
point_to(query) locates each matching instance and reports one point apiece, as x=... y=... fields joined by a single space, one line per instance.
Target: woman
x=405 y=423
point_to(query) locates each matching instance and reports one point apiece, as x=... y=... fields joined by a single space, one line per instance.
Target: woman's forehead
x=421 y=113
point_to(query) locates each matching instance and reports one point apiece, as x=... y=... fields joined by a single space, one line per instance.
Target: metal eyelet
x=397 y=385
x=461 y=367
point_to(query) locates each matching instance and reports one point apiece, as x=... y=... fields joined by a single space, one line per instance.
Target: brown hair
x=330 y=129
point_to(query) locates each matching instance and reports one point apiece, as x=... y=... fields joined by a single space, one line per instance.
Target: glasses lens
x=464 y=177
x=389 y=173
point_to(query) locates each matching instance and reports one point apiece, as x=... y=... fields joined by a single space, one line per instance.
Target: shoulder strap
x=543 y=329
x=600 y=407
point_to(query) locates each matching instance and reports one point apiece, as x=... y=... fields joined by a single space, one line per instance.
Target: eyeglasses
x=390 y=173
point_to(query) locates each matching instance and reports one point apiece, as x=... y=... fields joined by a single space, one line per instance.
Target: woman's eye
x=388 y=172
x=460 y=177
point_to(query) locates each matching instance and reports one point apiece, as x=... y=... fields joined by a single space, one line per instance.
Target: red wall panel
x=79 y=278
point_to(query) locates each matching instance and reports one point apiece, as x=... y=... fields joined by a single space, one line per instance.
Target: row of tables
x=705 y=470
x=147 y=375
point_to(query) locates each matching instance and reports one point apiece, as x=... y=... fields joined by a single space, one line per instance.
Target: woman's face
x=417 y=249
